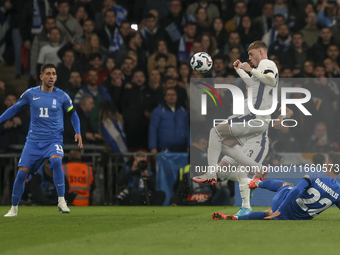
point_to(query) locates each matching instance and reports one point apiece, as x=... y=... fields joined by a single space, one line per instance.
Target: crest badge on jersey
x=54 y=103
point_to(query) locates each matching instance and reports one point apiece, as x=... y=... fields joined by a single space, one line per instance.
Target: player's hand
x=236 y=64
x=78 y=139
x=246 y=67
x=273 y=215
x=277 y=122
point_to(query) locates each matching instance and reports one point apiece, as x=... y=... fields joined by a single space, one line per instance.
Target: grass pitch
x=161 y=230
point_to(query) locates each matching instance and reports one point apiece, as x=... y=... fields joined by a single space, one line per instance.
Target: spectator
x=98 y=92
x=14 y=130
x=332 y=68
x=65 y=68
x=264 y=22
x=233 y=55
x=184 y=76
x=127 y=69
x=151 y=33
x=240 y=11
x=137 y=105
x=161 y=63
x=95 y=61
x=114 y=86
x=297 y=54
x=81 y=14
x=319 y=141
x=39 y=41
x=327 y=14
x=333 y=53
x=186 y=42
x=219 y=33
x=41 y=187
x=282 y=43
x=138 y=185
x=212 y=10
x=74 y=84
x=111 y=127
x=301 y=17
x=48 y=54
x=308 y=69
x=281 y=7
x=234 y=40
x=109 y=34
x=269 y=37
x=110 y=63
x=88 y=30
x=161 y=48
x=155 y=85
x=181 y=96
x=209 y=44
x=125 y=30
x=173 y=25
x=218 y=67
x=202 y=20
x=67 y=24
x=169 y=126
x=172 y=72
x=319 y=49
x=134 y=44
x=92 y=45
x=79 y=177
x=111 y=5
x=247 y=31
x=311 y=32
x=335 y=29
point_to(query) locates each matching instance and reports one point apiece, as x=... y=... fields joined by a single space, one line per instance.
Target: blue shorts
x=34 y=153
x=280 y=196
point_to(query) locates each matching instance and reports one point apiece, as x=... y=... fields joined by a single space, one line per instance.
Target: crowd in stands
x=125 y=63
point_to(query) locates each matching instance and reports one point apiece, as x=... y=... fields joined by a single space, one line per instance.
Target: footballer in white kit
x=229 y=137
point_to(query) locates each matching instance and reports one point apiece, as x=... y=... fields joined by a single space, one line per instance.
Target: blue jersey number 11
x=42 y=111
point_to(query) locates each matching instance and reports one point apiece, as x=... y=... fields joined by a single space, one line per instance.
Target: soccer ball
x=201 y=62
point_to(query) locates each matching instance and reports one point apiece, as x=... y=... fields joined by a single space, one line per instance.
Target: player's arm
x=279 y=119
x=265 y=72
x=304 y=183
x=244 y=76
x=12 y=111
x=68 y=107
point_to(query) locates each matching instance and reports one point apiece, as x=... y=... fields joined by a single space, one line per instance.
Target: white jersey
x=262 y=97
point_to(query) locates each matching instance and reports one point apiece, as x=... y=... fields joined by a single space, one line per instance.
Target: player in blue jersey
x=45 y=136
x=310 y=197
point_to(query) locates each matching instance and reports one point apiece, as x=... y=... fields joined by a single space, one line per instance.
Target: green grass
x=161 y=230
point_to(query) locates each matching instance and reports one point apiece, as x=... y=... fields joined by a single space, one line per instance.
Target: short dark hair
x=167 y=78
x=190 y=23
x=124 y=22
x=161 y=55
x=88 y=19
x=63 y=2
x=44 y=67
x=92 y=70
x=167 y=89
x=11 y=93
x=49 y=17
x=115 y=68
x=319 y=65
x=128 y=58
x=335 y=158
x=93 y=56
x=110 y=11
x=68 y=50
x=279 y=15
x=149 y=16
x=56 y=28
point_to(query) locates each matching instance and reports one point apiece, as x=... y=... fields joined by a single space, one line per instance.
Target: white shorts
x=256 y=148
x=246 y=127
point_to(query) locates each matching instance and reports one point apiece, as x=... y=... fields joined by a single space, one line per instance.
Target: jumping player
x=237 y=131
x=45 y=137
x=310 y=197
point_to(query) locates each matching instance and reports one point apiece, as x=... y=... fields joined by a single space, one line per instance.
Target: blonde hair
x=88 y=47
x=258 y=45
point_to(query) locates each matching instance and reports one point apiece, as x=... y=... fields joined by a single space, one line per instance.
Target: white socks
x=244 y=191
x=61 y=199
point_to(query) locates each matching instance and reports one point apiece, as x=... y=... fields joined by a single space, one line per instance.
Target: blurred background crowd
x=125 y=64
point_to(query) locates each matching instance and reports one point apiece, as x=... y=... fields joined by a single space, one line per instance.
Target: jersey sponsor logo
x=36 y=98
x=54 y=103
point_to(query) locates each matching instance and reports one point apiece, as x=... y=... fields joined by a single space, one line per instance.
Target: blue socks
x=18 y=187
x=253 y=216
x=272 y=185
x=58 y=176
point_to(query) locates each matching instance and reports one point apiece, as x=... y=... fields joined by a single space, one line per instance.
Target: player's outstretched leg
x=221 y=216
x=18 y=190
x=214 y=151
x=250 y=216
x=59 y=182
x=272 y=185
